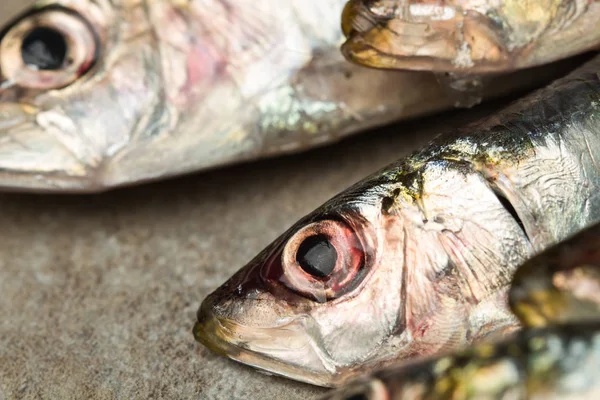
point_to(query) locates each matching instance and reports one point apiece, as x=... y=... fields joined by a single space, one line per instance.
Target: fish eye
x=48 y=49
x=321 y=261
x=317 y=256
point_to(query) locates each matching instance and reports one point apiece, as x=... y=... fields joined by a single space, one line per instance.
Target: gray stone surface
x=99 y=292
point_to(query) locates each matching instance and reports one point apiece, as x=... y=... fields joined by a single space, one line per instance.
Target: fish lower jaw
x=217 y=336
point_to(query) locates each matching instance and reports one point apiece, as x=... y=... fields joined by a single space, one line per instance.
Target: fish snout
x=36 y=154
x=264 y=327
x=253 y=331
x=420 y=37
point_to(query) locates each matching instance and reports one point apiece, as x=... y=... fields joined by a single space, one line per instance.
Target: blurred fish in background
x=100 y=94
x=468 y=35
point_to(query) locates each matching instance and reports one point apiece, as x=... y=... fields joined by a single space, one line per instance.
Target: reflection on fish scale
x=556 y=355
x=425 y=248
x=150 y=90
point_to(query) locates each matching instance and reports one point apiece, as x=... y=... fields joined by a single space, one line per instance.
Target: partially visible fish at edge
x=417 y=258
x=100 y=94
x=471 y=36
x=556 y=295
x=557 y=362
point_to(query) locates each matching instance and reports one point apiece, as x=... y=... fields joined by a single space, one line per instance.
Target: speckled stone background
x=99 y=292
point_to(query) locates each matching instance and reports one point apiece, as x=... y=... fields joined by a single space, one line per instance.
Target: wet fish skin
x=540 y=363
x=467 y=35
x=557 y=355
x=427 y=246
x=163 y=87
x=562 y=284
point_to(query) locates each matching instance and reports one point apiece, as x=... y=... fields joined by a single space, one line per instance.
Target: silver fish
x=417 y=258
x=556 y=295
x=96 y=94
x=468 y=35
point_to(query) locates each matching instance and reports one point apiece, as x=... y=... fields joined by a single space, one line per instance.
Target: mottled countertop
x=99 y=292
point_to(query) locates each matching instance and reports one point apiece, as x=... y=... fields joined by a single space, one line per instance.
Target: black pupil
x=44 y=48
x=317 y=256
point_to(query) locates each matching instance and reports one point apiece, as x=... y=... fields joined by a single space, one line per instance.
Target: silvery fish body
x=556 y=295
x=468 y=35
x=417 y=258
x=99 y=94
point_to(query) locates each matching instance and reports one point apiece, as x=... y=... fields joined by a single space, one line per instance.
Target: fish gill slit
x=401 y=322
x=507 y=205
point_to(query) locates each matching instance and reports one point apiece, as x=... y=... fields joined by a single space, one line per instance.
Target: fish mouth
x=259 y=347
x=35 y=159
x=384 y=48
x=423 y=37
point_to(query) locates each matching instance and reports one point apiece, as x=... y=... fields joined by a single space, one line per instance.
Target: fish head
x=72 y=92
x=465 y=36
x=287 y=309
x=378 y=273
x=99 y=94
x=95 y=94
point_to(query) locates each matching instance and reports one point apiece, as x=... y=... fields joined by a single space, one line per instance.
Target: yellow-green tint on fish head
x=376 y=275
x=560 y=285
x=474 y=36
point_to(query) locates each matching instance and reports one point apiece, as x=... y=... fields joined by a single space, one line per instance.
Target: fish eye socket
x=321 y=261
x=47 y=49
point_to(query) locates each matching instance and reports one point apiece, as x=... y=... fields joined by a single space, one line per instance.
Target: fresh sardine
x=474 y=35
x=557 y=356
x=99 y=94
x=417 y=258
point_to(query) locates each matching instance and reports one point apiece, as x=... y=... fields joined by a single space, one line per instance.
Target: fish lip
x=358 y=51
x=219 y=335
